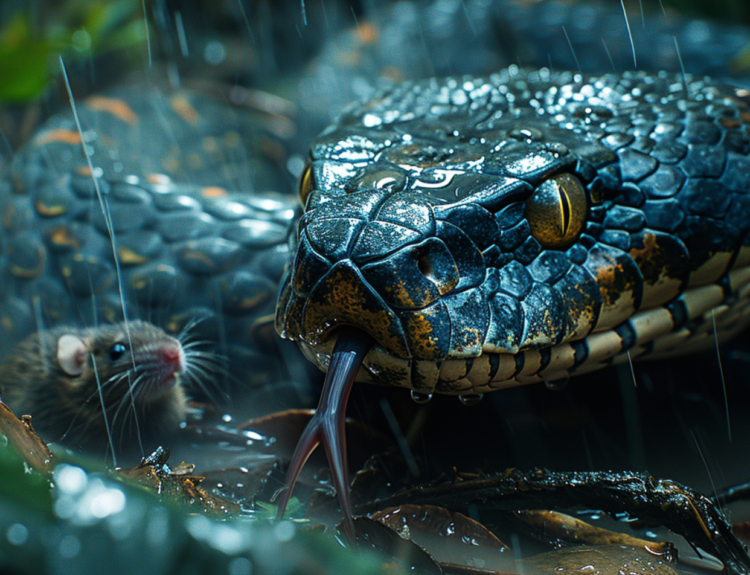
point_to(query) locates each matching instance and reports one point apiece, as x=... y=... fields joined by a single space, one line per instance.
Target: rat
x=61 y=377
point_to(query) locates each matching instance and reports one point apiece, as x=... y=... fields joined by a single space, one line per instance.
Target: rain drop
x=470 y=398
x=17 y=534
x=420 y=397
x=557 y=384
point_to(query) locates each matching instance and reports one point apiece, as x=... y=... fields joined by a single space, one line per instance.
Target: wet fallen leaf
x=681 y=509
x=180 y=487
x=399 y=553
x=598 y=560
x=567 y=529
x=448 y=536
x=21 y=435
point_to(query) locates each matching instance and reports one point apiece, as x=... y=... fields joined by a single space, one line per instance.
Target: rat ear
x=72 y=352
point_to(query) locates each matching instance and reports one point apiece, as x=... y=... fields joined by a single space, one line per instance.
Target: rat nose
x=172 y=355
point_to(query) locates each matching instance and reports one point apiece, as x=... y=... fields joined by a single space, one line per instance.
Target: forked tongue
x=328 y=422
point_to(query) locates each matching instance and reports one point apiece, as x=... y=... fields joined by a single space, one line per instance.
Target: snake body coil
x=179 y=191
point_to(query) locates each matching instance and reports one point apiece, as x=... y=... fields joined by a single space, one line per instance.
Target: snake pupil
x=556 y=212
x=565 y=211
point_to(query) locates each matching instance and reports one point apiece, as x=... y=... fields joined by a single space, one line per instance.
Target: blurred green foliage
x=29 y=490
x=149 y=535
x=31 y=39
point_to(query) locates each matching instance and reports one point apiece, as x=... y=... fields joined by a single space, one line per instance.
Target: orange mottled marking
x=368 y=33
x=62 y=237
x=649 y=251
x=158 y=179
x=84 y=171
x=183 y=108
x=49 y=210
x=729 y=123
x=213 y=192
x=130 y=257
x=606 y=277
x=201 y=258
x=114 y=106
x=64 y=136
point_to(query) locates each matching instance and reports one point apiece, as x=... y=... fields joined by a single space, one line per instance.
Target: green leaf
x=103 y=19
x=26 y=488
x=268 y=510
x=741 y=62
x=25 y=70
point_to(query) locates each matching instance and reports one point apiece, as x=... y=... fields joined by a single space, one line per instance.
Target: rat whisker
x=182 y=337
x=200 y=382
x=198 y=343
x=125 y=404
x=85 y=389
x=202 y=368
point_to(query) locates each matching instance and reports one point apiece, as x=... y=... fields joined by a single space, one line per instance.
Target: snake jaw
x=408 y=278
x=343 y=297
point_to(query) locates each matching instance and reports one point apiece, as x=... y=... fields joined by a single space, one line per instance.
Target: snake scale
x=485 y=231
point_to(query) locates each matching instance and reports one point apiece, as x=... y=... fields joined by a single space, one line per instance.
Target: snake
x=483 y=232
x=521 y=227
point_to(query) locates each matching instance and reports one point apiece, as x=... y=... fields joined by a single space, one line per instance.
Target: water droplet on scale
x=420 y=397
x=470 y=398
x=557 y=384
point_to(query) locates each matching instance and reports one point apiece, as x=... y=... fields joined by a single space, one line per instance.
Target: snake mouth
x=411 y=344
x=420 y=302
x=321 y=353
x=341 y=297
x=415 y=297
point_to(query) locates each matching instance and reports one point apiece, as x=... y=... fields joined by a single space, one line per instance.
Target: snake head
x=456 y=228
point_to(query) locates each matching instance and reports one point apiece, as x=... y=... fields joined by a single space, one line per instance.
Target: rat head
x=451 y=223
x=117 y=358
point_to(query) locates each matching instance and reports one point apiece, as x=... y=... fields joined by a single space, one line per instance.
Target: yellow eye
x=306 y=183
x=557 y=211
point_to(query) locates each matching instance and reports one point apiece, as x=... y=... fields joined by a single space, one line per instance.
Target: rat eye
x=117 y=351
x=306 y=182
x=557 y=211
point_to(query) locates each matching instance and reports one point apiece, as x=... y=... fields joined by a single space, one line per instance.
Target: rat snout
x=161 y=365
x=173 y=357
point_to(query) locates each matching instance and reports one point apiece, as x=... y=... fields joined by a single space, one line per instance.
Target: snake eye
x=117 y=351
x=557 y=211
x=306 y=183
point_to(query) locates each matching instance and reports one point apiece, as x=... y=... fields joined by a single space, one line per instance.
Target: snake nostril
x=435 y=262
x=424 y=263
